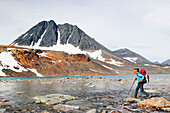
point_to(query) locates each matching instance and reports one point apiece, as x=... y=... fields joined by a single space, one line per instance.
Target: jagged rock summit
x=43 y=34
x=48 y=34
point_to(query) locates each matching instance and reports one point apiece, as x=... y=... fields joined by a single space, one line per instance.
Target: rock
x=65 y=108
x=4 y=100
x=156 y=102
x=152 y=91
x=166 y=109
x=53 y=98
x=104 y=111
x=130 y=109
x=24 y=110
x=131 y=100
x=110 y=107
x=92 y=111
x=2 y=110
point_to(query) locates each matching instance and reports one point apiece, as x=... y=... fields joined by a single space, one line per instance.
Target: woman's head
x=136 y=70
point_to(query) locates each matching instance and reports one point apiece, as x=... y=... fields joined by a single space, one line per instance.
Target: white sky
x=142 y=26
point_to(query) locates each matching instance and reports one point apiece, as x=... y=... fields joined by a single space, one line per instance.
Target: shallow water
x=91 y=91
x=106 y=76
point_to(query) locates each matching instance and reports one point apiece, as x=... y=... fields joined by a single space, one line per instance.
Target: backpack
x=146 y=76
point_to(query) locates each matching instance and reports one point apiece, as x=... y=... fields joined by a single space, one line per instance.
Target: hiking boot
x=149 y=96
x=134 y=97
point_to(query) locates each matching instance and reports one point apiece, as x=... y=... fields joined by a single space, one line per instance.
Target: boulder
x=156 y=102
x=92 y=111
x=152 y=91
x=53 y=99
x=131 y=100
x=2 y=110
x=65 y=108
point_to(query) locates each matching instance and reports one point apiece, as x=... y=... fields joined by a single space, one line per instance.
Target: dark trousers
x=140 y=85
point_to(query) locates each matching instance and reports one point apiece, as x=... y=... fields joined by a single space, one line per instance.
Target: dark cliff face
x=75 y=36
x=44 y=31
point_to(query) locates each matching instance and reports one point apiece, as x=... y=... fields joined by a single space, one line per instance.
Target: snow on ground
x=166 y=67
x=114 y=62
x=35 y=71
x=151 y=65
x=131 y=59
x=8 y=62
x=2 y=73
x=43 y=54
x=107 y=67
x=94 y=70
x=98 y=55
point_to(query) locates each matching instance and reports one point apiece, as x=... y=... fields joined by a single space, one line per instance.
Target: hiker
x=140 y=79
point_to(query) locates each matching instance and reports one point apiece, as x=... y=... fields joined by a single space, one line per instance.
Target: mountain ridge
x=167 y=62
x=48 y=34
x=131 y=56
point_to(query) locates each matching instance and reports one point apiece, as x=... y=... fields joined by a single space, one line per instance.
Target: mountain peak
x=48 y=34
x=131 y=56
x=43 y=34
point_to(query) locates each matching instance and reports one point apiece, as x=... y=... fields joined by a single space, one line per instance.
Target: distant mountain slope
x=131 y=56
x=167 y=62
x=24 y=62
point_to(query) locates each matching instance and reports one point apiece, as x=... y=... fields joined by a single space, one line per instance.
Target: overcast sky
x=142 y=26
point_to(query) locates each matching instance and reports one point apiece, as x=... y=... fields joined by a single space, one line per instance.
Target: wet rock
x=65 y=108
x=152 y=91
x=156 y=102
x=53 y=98
x=110 y=107
x=2 y=110
x=131 y=100
x=166 y=109
x=104 y=111
x=92 y=111
x=4 y=100
x=132 y=109
x=24 y=110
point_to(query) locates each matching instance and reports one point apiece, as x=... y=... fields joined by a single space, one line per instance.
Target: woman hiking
x=140 y=79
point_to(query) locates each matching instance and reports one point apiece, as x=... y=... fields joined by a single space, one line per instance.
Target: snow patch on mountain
x=70 y=49
x=39 y=41
x=131 y=59
x=25 y=35
x=98 y=55
x=7 y=61
x=151 y=65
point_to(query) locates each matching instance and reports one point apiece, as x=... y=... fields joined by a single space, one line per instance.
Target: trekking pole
x=131 y=86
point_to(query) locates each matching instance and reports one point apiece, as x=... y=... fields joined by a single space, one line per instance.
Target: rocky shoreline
x=82 y=95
